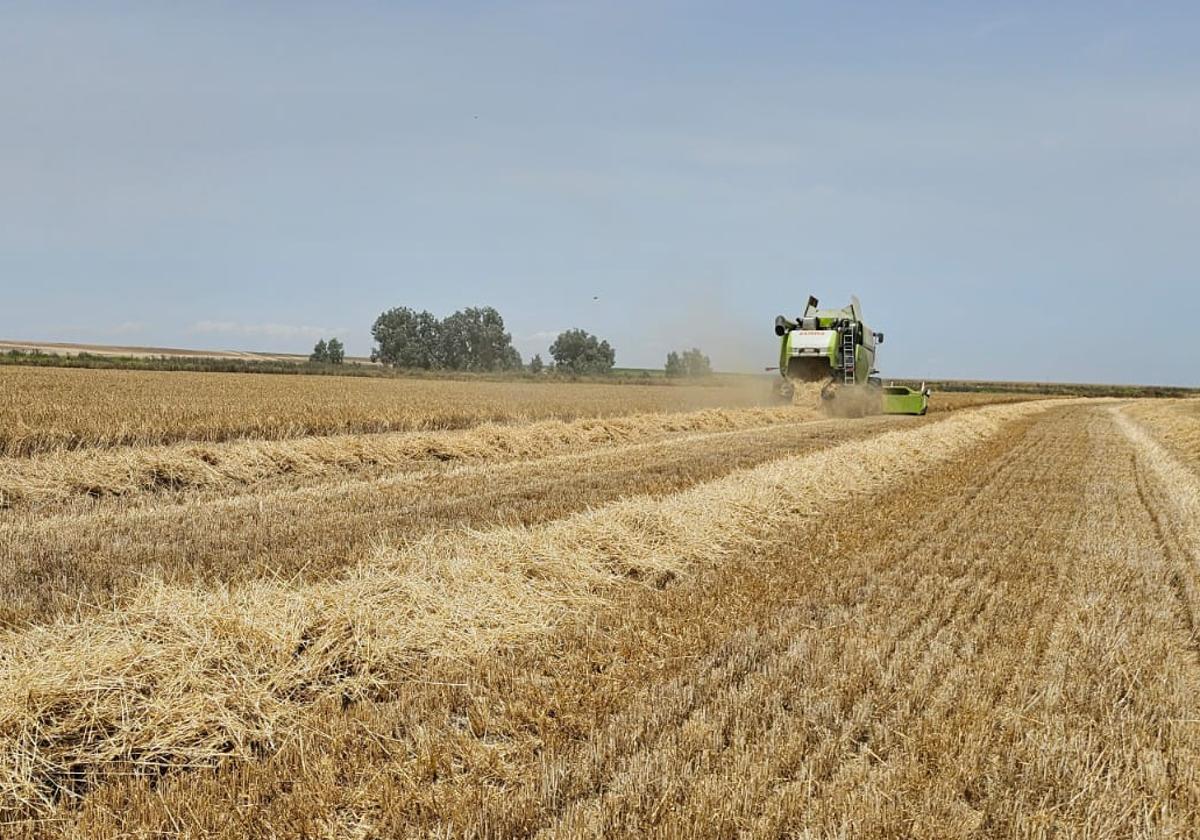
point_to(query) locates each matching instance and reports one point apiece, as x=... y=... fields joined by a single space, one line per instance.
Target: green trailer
x=900 y=399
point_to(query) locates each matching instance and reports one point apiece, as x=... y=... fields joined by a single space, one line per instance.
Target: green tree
x=336 y=352
x=688 y=363
x=320 y=352
x=471 y=339
x=577 y=351
x=474 y=339
x=536 y=365
x=675 y=366
x=451 y=345
x=407 y=338
x=697 y=363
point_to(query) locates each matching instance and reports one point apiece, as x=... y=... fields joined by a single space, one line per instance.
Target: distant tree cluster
x=577 y=351
x=328 y=352
x=474 y=339
x=470 y=339
x=688 y=363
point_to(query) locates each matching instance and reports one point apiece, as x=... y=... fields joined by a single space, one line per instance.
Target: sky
x=1012 y=189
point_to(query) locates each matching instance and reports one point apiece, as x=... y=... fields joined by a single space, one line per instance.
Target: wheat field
x=386 y=608
x=48 y=409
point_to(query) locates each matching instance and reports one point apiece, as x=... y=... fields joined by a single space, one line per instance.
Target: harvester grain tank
x=836 y=348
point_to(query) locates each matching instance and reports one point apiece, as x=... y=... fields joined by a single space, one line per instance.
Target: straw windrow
x=181 y=676
x=195 y=466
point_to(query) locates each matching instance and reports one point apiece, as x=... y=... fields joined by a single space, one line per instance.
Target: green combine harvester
x=836 y=348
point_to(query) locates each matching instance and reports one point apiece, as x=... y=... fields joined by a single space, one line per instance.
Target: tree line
x=474 y=339
x=688 y=363
x=328 y=352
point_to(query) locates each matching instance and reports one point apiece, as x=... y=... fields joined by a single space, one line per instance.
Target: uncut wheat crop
x=47 y=409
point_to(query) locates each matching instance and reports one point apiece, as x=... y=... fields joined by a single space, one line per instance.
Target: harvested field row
x=180 y=676
x=996 y=650
x=59 y=564
x=943 y=683
x=131 y=470
x=42 y=409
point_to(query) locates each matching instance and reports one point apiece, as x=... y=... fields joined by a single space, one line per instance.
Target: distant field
x=48 y=409
x=51 y=409
x=100 y=356
x=1058 y=389
x=133 y=351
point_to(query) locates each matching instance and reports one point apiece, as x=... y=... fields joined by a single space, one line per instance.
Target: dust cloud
x=834 y=400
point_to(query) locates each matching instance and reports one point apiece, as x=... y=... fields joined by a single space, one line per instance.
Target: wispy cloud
x=268 y=329
x=127 y=328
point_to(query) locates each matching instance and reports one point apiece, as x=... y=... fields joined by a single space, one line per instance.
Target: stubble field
x=238 y=606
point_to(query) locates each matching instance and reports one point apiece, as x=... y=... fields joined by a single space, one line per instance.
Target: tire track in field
x=1177 y=555
x=1165 y=486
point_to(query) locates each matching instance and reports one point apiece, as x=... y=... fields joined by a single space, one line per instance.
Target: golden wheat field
x=50 y=409
x=267 y=606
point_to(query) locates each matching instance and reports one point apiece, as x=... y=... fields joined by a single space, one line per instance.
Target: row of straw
x=180 y=677
x=122 y=472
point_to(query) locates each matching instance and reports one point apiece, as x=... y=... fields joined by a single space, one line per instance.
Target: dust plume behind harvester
x=831 y=353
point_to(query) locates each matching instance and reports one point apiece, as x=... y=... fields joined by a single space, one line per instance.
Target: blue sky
x=1013 y=190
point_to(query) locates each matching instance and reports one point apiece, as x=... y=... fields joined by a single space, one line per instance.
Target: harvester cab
x=835 y=348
